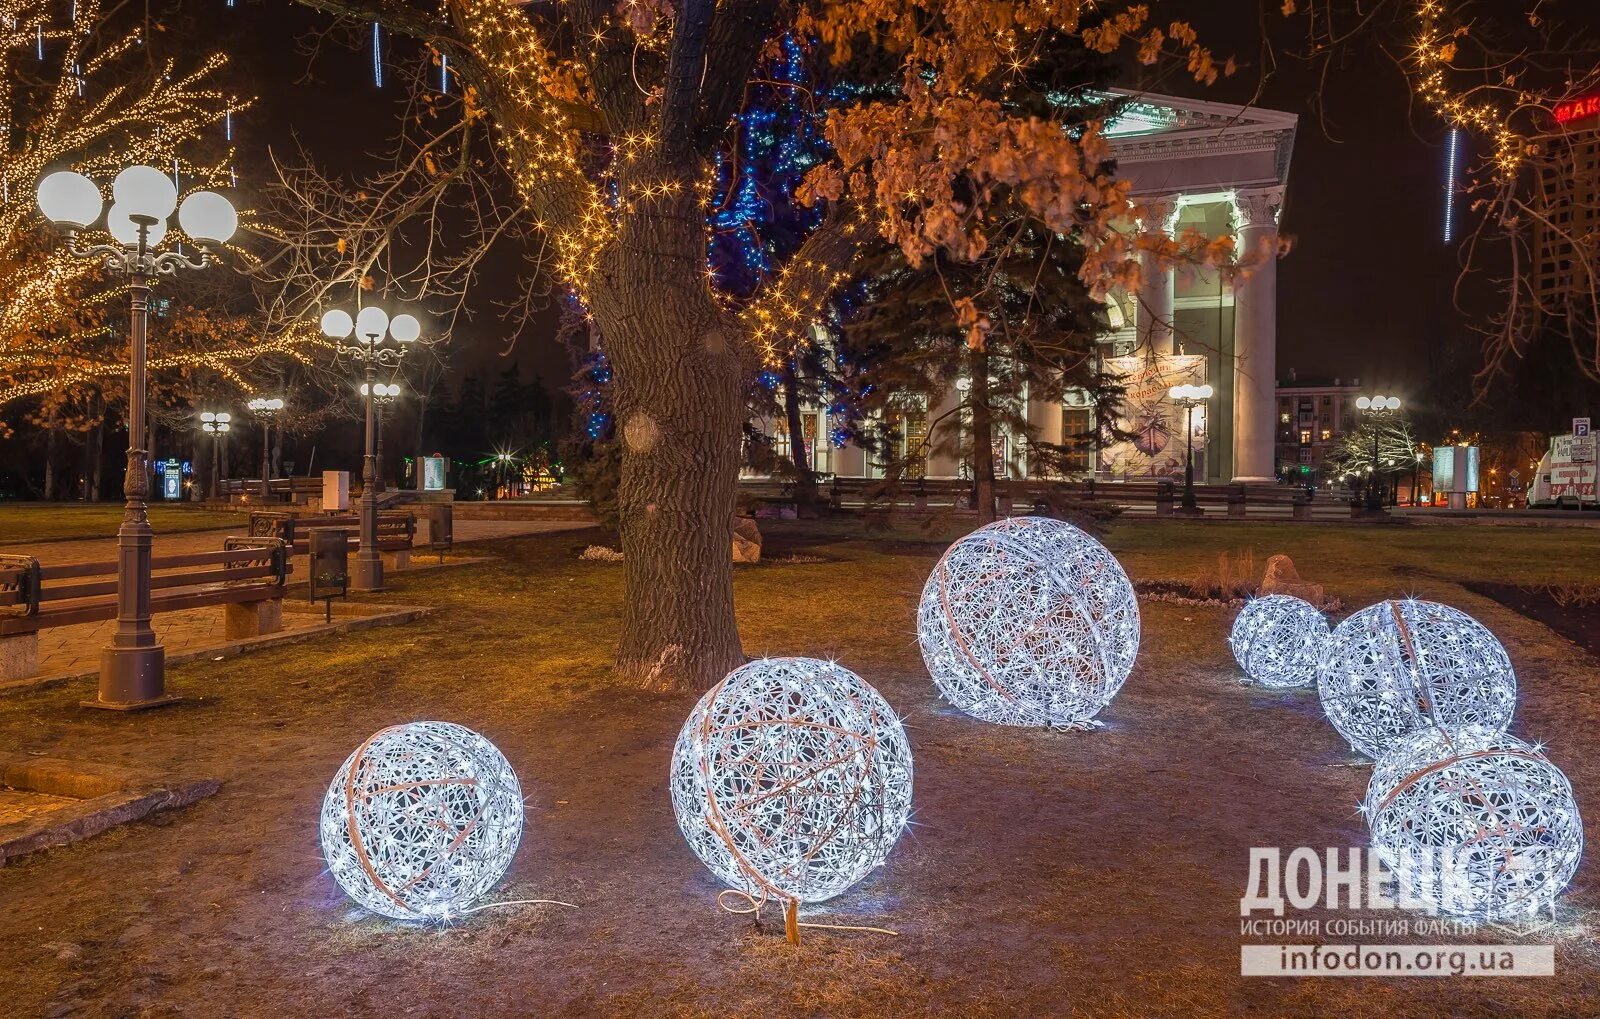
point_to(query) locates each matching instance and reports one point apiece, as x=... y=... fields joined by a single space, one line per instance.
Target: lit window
x=1283 y=418
x=1327 y=433
x=1305 y=436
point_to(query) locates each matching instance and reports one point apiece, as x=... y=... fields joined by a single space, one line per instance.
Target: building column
x=1154 y=314
x=944 y=438
x=1255 y=317
x=1045 y=417
x=850 y=461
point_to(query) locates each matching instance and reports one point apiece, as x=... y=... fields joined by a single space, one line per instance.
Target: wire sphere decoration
x=1277 y=640
x=791 y=779
x=1475 y=823
x=1398 y=666
x=1029 y=621
x=421 y=821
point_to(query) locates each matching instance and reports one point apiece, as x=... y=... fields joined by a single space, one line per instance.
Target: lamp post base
x=367 y=575
x=132 y=679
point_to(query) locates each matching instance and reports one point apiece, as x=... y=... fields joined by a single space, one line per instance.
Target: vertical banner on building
x=1157 y=447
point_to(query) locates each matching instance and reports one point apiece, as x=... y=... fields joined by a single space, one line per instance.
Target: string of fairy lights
x=1434 y=51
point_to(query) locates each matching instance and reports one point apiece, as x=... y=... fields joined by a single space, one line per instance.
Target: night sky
x=1365 y=292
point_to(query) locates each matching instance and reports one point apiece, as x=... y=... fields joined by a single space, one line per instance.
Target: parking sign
x=1580 y=427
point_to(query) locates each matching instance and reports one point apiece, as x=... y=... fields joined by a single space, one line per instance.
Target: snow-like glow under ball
x=1029 y=621
x=1398 y=666
x=422 y=820
x=1277 y=640
x=791 y=779
x=1475 y=823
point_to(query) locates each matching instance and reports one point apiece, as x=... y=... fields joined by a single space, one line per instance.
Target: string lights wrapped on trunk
x=1398 y=666
x=1474 y=823
x=791 y=779
x=421 y=821
x=1029 y=621
x=1278 y=639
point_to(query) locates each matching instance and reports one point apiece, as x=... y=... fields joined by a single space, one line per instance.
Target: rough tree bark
x=678 y=383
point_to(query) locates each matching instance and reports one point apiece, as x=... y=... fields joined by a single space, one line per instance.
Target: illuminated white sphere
x=1277 y=640
x=1398 y=666
x=791 y=779
x=145 y=191
x=337 y=323
x=1029 y=621
x=126 y=231
x=405 y=328
x=70 y=199
x=421 y=821
x=371 y=323
x=207 y=216
x=1475 y=823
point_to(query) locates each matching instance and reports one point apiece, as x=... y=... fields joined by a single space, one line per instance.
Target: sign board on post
x=1580 y=427
x=433 y=471
x=172 y=480
x=335 y=491
x=330 y=564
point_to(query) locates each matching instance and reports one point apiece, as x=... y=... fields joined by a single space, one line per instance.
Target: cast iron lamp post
x=371 y=326
x=216 y=424
x=383 y=394
x=133 y=668
x=266 y=409
x=1378 y=408
x=1189 y=397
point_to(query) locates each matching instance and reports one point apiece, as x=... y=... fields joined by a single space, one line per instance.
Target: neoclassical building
x=1211 y=167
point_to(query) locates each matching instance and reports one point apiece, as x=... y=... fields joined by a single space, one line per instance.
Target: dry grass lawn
x=1045 y=874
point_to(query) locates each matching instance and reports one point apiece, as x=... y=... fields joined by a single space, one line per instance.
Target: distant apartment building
x=1570 y=180
x=1313 y=415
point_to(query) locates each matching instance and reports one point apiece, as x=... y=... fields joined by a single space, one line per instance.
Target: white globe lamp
x=145 y=191
x=208 y=217
x=70 y=199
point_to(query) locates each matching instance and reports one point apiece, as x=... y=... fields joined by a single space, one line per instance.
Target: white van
x=1562 y=482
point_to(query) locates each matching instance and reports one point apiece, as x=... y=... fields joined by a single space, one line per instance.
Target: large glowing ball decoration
x=1029 y=621
x=1398 y=666
x=791 y=779
x=1277 y=640
x=1474 y=823
x=422 y=820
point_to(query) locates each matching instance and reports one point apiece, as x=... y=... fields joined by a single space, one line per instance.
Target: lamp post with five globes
x=217 y=426
x=1189 y=397
x=371 y=326
x=266 y=409
x=1377 y=409
x=133 y=668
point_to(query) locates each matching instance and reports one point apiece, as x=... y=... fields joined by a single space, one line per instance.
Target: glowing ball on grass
x=791 y=779
x=1475 y=823
x=1029 y=621
x=1277 y=640
x=422 y=820
x=1398 y=666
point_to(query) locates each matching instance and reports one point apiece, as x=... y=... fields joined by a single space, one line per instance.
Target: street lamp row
x=371 y=326
x=133 y=668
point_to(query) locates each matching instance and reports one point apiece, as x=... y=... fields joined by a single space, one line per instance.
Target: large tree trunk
x=982 y=436
x=805 y=481
x=53 y=429
x=678 y=386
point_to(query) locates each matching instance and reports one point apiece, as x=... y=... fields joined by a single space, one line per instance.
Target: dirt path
x=1045 y=874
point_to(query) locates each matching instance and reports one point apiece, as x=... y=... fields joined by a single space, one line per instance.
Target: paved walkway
x=70 y=650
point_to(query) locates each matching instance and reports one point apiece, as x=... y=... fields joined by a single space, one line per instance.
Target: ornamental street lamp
x=383 y=394
x=1378 y=408
x=371 y=327
x=265 y=409
x=1189 y=397
x=216 y=424
x=133 y=668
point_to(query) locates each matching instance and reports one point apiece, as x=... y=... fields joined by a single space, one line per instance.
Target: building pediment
x=1173 y=144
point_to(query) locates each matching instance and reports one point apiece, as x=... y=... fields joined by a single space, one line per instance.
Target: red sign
x=1578 y=109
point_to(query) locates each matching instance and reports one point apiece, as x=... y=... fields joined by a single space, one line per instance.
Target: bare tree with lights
x=608 y=119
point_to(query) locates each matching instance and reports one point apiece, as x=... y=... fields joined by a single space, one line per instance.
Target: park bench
x=397 y=531
x=246 y=577
x=296 y=490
